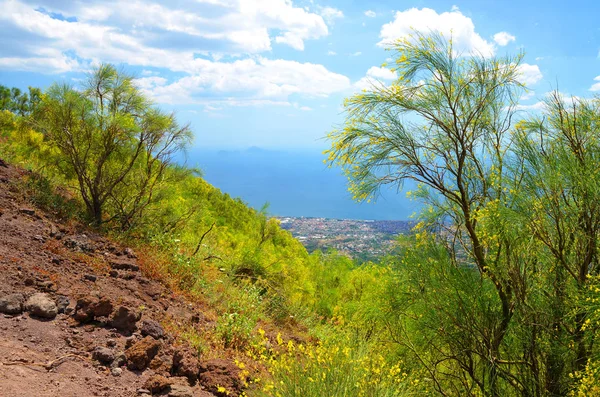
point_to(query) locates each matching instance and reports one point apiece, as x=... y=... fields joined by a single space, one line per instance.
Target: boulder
x=41 y=305
x=90 y=307
x=157 y=384
x=103 y=355
x=180 y=391
x=185 y=364
x=219 y=373
x=152 y=328
x=12 y=304
x=141 y=353
x=124 y=319
x=80 y=243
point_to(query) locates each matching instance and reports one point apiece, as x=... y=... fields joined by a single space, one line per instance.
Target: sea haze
x=295 y=184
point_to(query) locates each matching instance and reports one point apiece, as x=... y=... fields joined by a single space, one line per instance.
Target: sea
x=294 y=183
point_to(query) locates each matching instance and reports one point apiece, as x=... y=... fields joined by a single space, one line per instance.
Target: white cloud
x=331 y=53
x=228 y=26
x=148 y=83
x=375 y=77
x=248 y=80
x=538 y=106
x=211 y=44
x=330 y=14
x=300 y=107
x=527 y=96
x=503 y=38
x=381 y=73
x=370 y=14
x=529 y=74
x=569 y=101
x=596 y=86
x=451 y=24
x=52 y=63
x=356 y=54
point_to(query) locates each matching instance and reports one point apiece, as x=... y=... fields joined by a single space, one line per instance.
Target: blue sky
x=273 y=73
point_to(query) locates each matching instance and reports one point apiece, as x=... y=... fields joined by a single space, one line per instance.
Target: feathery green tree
x=444 y=124
x=113 y=141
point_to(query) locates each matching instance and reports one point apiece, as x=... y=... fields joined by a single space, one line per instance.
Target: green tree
x=18 y=102
x=444 y=123
x=496 y=301
x=113 y=141
x=560 y=202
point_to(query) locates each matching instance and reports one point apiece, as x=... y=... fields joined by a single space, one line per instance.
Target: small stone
x=27 y=211
x=62 y=303
x=79 y=243
x=141 y=354
x=41 y=305
x=152 y=328
x=130 y=340
x=90 y=277
x=39 y=238
x=47 y=286
x=111 y=343
x=119 y=361
x=143 y=391
x=180 y=391
x=113 y=273
x=157 y=384
x=103 y=355
x=119 y=264
x=116 y=371
x=124 y=319
x=53 y=230
x=195 y=319
x=56 y=261
x=130 y=253
x=29 y=282
x=12 y=304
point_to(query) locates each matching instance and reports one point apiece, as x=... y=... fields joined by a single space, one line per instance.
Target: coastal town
x=362 y=240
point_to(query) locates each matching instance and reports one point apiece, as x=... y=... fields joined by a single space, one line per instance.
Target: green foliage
x=18 y=102
x=336 y=368
x=111 y=141
x=487 y=297
x=494 y=294
x=43 y=194
x=236 y=325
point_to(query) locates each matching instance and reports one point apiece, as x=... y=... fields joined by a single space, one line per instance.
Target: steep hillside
x=80 y=317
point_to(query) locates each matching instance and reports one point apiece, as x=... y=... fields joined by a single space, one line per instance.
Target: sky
x=273 y=73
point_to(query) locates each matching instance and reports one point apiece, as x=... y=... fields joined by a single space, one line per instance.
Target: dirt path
x=78 y=318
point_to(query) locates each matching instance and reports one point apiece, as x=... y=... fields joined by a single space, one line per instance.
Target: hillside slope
x=79 y=318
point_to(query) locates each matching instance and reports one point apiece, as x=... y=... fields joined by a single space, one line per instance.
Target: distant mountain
x=294 y=183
